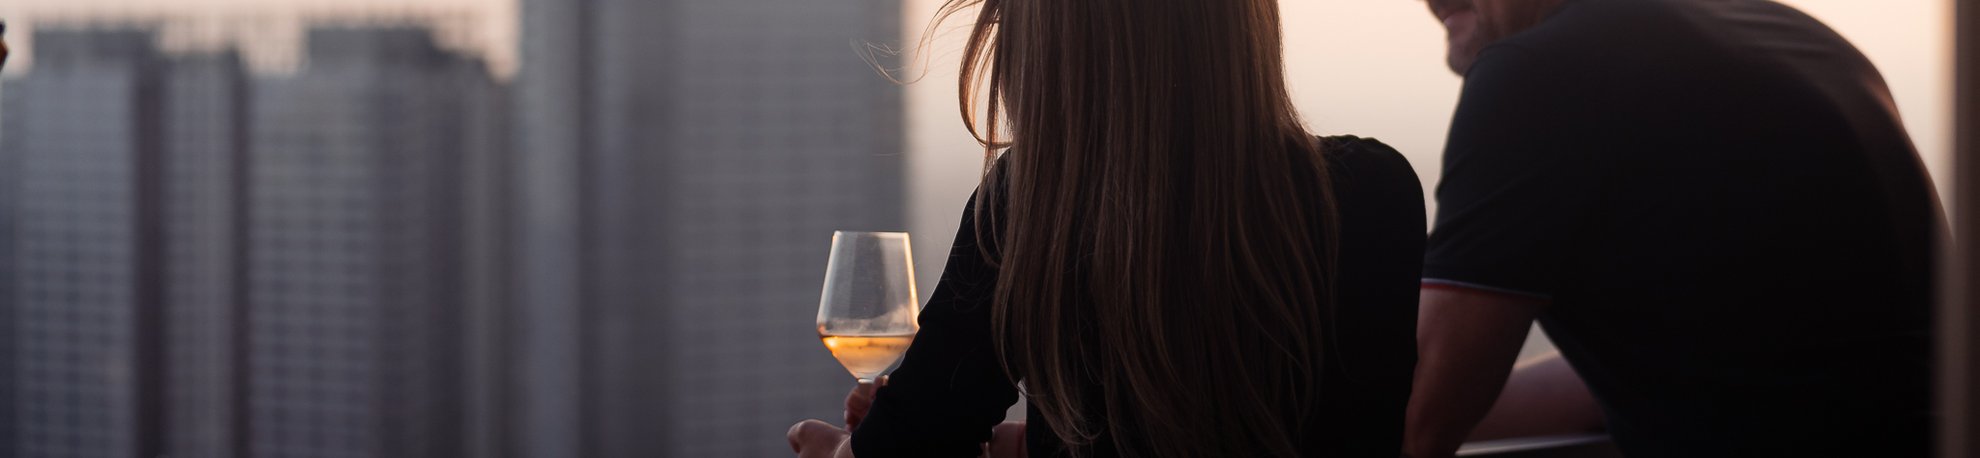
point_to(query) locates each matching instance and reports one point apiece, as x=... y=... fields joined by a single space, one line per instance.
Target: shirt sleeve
x=1519 y=179
x=951 y=389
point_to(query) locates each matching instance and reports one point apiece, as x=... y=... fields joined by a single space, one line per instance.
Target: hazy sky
x=487 y=26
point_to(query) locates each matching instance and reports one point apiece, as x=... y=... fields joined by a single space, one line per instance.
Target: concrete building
x=8 y=329
x=83 y=135
x=357 y=247
x=123 y=183
x=194 y=263
x=684 y=163
x=489 y=270
x=204 y=201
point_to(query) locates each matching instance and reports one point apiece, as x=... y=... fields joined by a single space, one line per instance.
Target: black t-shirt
x=1729 y=221
x=950 y=390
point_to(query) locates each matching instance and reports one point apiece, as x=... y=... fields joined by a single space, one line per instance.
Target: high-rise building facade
x=203 y=205
x=83 y=135
x=490 y=381
x=357 y=341
x=198 y=263
x=123 y=180
x=8 y=328
x=684 y=163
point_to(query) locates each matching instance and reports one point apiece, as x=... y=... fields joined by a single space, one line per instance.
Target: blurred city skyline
x=379 y=250
x=200 y=261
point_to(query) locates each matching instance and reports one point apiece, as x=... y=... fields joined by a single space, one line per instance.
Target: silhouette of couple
x=1709 y=205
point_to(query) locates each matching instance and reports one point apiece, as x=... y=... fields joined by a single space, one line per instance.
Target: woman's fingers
x=860 y=401
x=857 y=403
x=814 y=438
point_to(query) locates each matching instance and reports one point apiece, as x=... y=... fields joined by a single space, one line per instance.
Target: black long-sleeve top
x=950 y=389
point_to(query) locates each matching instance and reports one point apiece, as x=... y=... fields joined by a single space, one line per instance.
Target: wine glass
x=867 y=314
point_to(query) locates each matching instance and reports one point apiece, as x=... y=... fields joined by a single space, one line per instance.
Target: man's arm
x=1466 y=343
x=1516 y=195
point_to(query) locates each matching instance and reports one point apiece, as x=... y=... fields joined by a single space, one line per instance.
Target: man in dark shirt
x=1712 y=208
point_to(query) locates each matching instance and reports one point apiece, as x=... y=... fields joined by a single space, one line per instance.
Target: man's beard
x=1496 y=20
x=1504 y=18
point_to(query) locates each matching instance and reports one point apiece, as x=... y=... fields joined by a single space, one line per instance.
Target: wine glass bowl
x=868 y=309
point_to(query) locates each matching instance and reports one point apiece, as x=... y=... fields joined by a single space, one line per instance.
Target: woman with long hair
x=1162 y=257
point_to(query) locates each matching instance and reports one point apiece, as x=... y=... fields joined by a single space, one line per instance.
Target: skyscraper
x=8 y=330
x=357 y=221
x=124 y=182
x=203 y=203
x=488 y=238
x=684 y=165
x=83 y=136
x=175 y=236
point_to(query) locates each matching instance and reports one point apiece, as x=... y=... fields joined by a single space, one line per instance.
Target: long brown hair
x=1167 y=223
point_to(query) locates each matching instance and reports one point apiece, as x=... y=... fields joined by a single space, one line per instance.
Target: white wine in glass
x=867 y=314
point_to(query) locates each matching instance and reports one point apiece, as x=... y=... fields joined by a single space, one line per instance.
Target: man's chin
x=1460 y=62
x=1462 y=51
